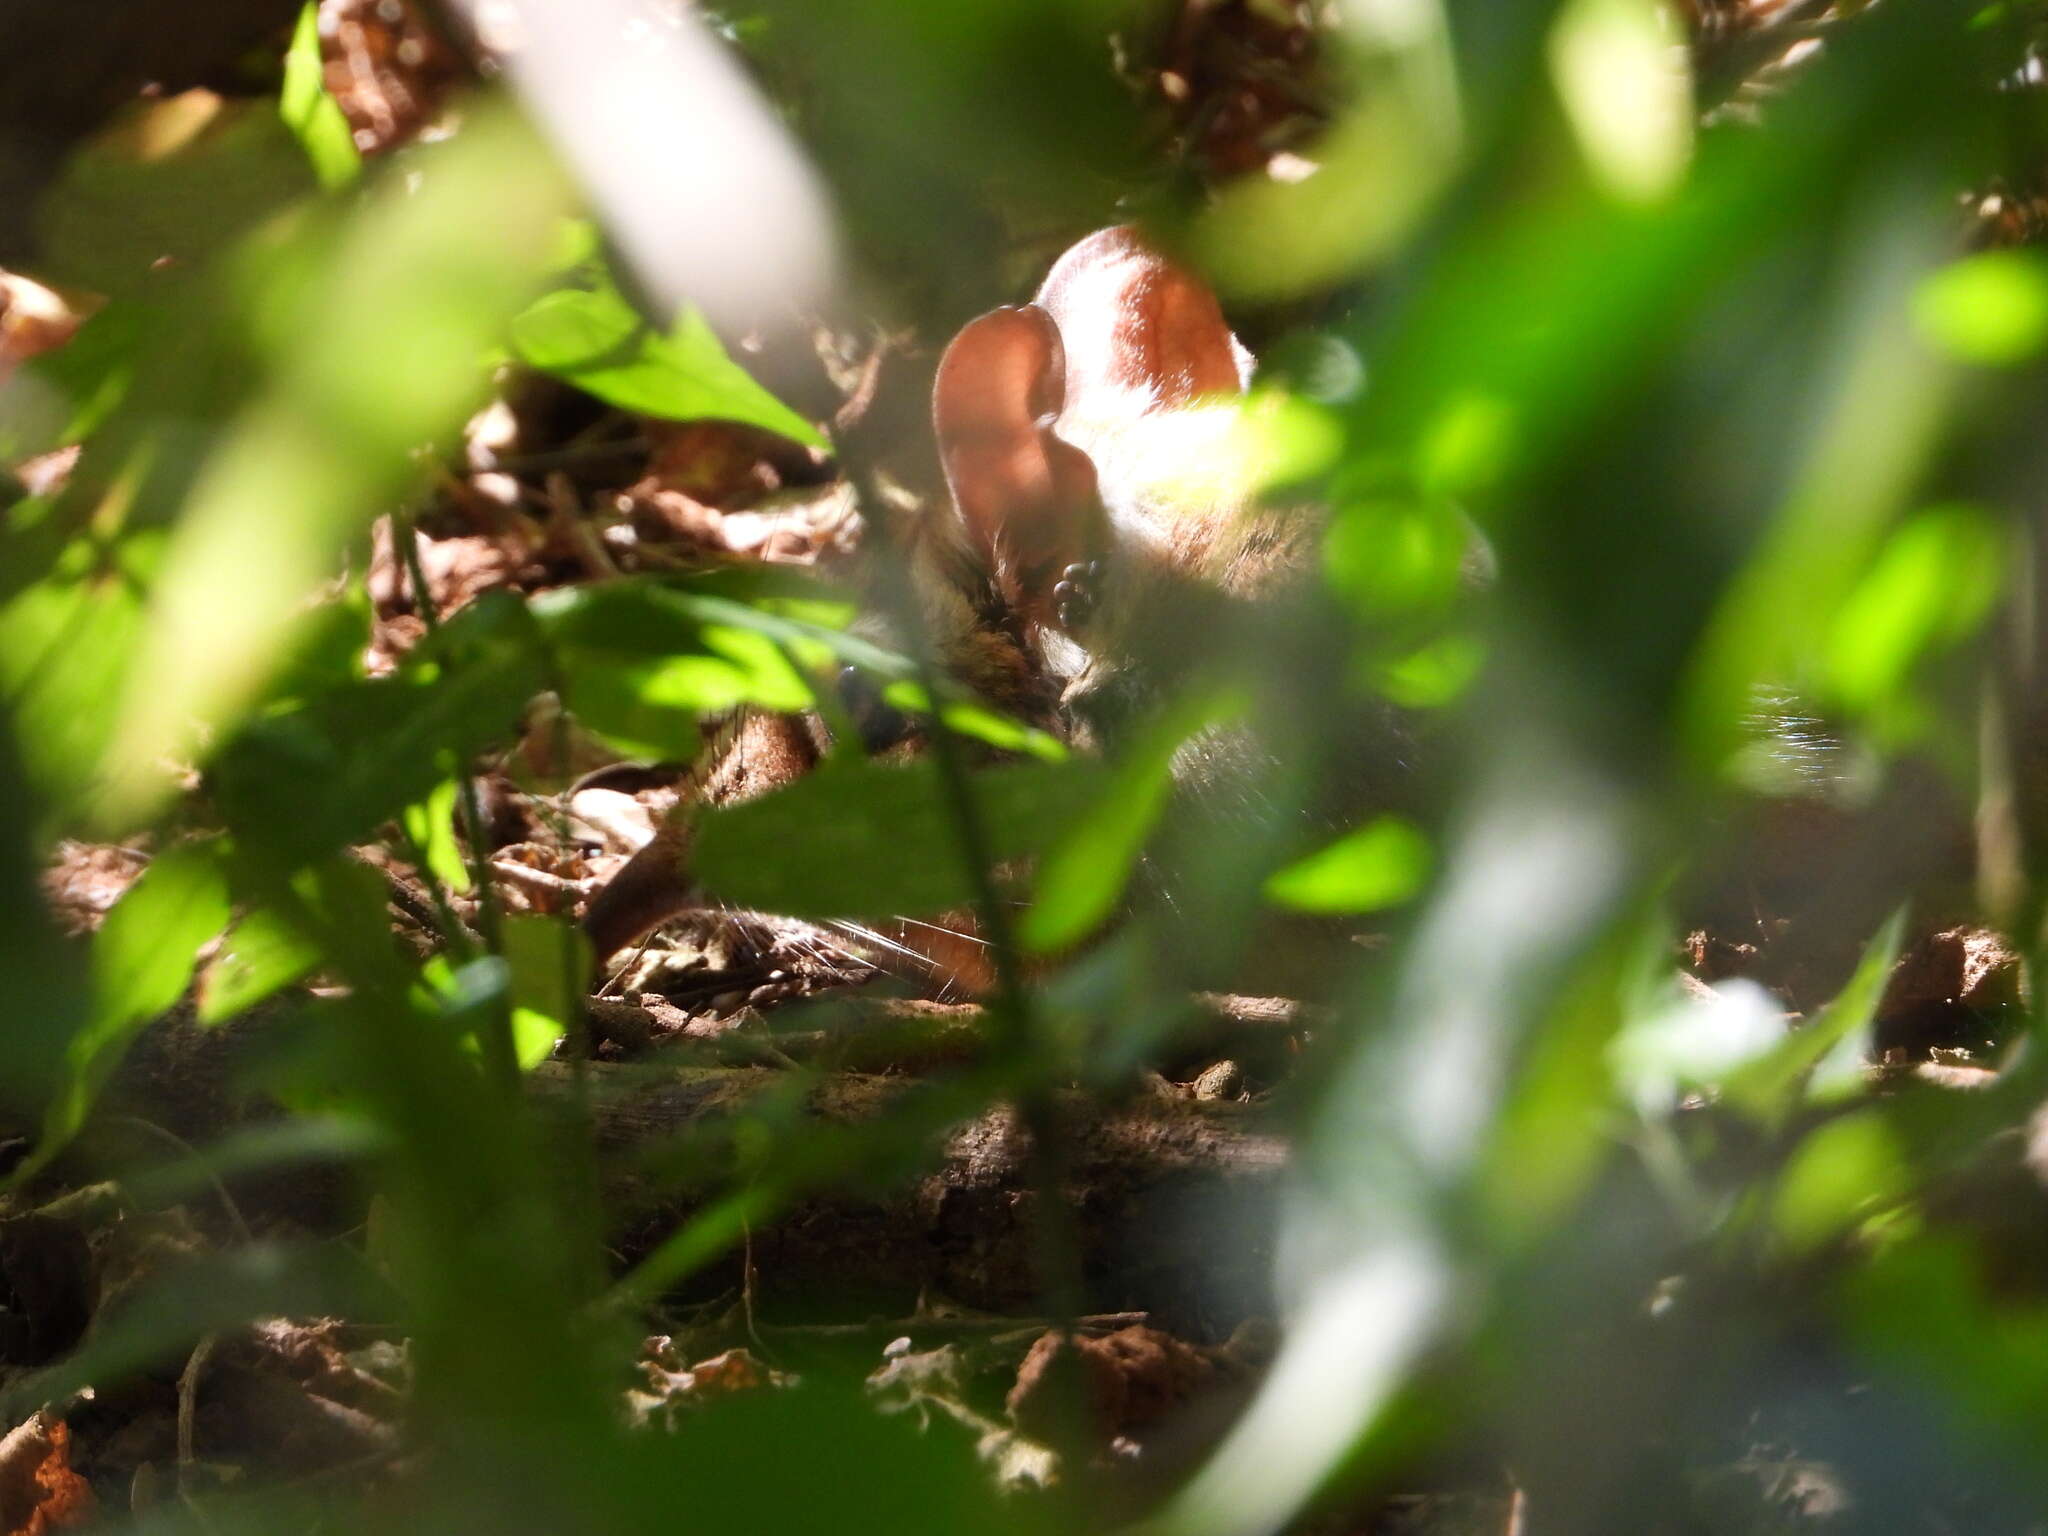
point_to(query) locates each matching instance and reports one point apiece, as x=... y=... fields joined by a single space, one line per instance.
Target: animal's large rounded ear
x=1026 y=498
x=1136 y=321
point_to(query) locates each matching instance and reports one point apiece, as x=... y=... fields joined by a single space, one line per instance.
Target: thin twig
x=564 y=458
x=900 y=1327
x=188 y=1407
x=227 y=1200
x=749 y=1282
x=540 y=880
x=441 y=911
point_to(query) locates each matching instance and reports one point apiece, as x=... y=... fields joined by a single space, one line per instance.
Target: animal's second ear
x=1026 y=498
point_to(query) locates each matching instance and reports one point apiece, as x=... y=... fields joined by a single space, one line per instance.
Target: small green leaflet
x=264 y=954
x=594 y=339
x=141 y=959
x=314 y=117
x=866 y=839
x=1085 y=872
x=549 y=960
x=1380 y=865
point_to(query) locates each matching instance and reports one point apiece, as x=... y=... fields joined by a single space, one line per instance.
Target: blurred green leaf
x=1557 y=1128
x=1929 y=1317
x=1932 y=583
x=264 y=1148
x=984 y=725
x=595 y=340
x=430 y=823
x=1395 y=557
x=142 y=957
x=65 y=396
x=171 y=184
x=550 y=961
x=1431 y=677
x=264 y=954
x=1468 y=445
x=1840 y=1172
x=1083 y=875
x=1990 y=309
x=658 y=616
x=861 y=839
x=313 y=115
x=374 y=747
x=1624 y=79
x=1374 y=173
x=641 y=661
x=1382 y=864
x=166 y=1313
x=1824 y=1056
x=49 y=987
x=1684 y=1043
x=390 y=319
x=274 y=946
x=1883 y=412
x=644 y=658
x=1281 y=439
x=65 y=644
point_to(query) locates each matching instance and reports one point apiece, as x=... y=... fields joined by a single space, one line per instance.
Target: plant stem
x=1059 y=1260
x=501 y=1056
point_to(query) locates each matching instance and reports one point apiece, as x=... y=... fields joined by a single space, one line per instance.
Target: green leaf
x=373 y=748
x=431 y=825
x=1555 y=1128
x=597 y=341
x=535 y=986
x=141 y=959
x=641 y=661
x=1394 y=557
x=862 y=839
x=550 y=964
x=1380 y=865
x=272 y=947
x=170 y=184
x=1841 y=1172
x=1623 y=78
x=1679 y=1043
x=263 y=955
x=378 y=313
x=1433 y=676
x=1084 y=874
x=313 y=115
x=258 y=1149
x=656 y=616
x=48 y=986
x=643 y=658
x=65 y=645
x=1990 y=309
x=1930 y=585
x=1823 y=1058
x=65 y=396
x=966 y=718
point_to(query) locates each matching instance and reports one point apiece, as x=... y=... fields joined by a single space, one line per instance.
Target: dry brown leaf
x=38 y=1489
x=387 y=68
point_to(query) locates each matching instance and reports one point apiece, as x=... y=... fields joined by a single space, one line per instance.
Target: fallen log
x=1170 y=1198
